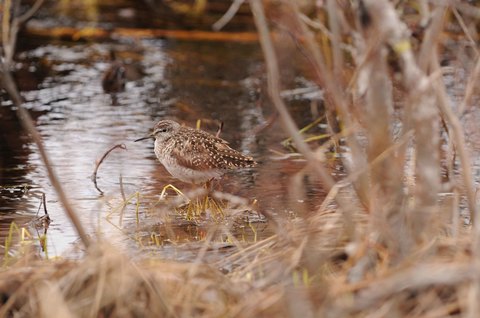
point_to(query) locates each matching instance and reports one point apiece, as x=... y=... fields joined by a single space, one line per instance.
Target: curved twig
x=99 y=162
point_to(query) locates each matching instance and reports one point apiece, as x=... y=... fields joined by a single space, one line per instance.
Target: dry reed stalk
x=336 y=100
x=459 y=140
x=423 y=114
x=458 y=134
x=466 y=9
x=335 y=40
x=387 y=193
x=466 y=31
x=273 y=81
x=424 y=12
x=471 y=87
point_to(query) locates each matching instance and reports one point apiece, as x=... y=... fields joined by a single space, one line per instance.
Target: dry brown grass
x=310 y=268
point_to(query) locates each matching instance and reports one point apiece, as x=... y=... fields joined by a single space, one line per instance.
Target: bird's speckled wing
x=202 y=151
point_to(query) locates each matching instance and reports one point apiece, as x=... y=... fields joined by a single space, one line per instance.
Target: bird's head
x=162 y=130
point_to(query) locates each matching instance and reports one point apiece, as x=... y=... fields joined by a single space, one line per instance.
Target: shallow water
x=186 y=81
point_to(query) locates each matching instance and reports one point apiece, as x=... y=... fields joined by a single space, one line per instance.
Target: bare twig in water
x=42 y=222
x=124 y=198
x=44 y=201
x=99 y=162
x=122 y=190
x=220 y=128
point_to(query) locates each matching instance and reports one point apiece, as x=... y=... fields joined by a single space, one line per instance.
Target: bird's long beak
x=146 y=137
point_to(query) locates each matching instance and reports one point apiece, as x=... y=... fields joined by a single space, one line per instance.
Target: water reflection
x=79 y=122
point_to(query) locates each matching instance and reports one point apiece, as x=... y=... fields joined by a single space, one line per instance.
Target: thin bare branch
x=465 y=30
x=459 y=137
x=273 y=79
x=424 y=113
x=27 y=15
x=232 y=10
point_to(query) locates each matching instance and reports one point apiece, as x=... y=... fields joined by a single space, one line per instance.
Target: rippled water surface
x=186 y=81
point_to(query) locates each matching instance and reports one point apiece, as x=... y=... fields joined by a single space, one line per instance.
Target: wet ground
x=187 y=81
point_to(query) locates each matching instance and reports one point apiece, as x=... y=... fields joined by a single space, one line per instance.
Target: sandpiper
x=192 y=155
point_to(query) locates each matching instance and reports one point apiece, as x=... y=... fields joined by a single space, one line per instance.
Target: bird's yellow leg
x=171 y=186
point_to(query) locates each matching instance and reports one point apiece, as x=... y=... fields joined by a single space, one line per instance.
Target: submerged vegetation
x=398 y=231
